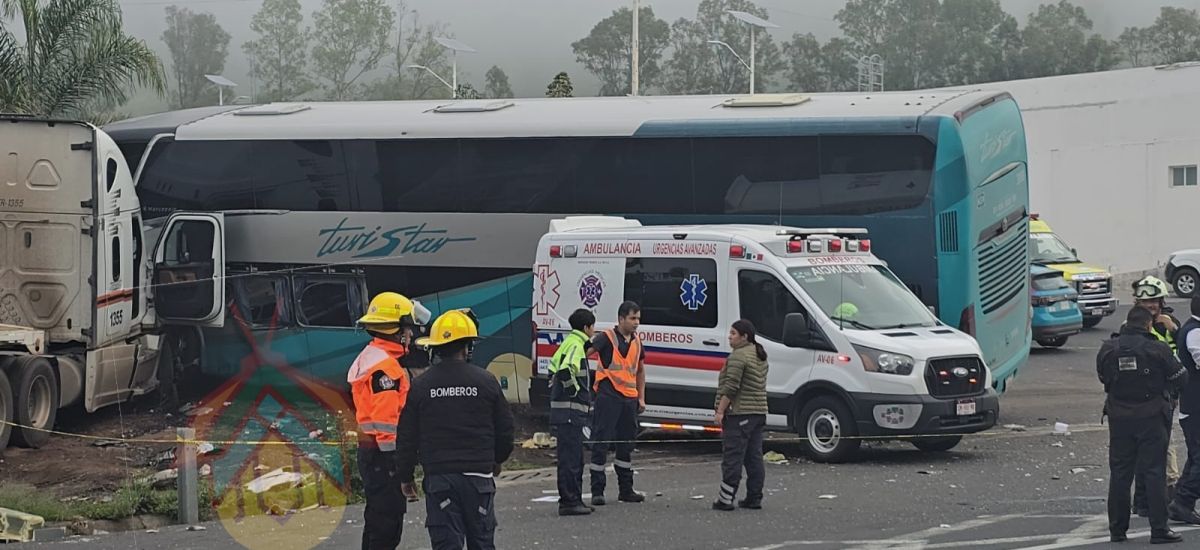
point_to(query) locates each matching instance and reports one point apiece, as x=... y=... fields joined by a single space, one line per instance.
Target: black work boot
x=751 y=503
x=1118 y=537
x=723 y=506
x=598 y=500
x=631 y=496
x=1166 y=537
x=574 y=510
x=1182 y=514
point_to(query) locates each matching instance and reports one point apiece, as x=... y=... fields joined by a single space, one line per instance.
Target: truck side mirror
x=1074 y=252
x=796 y=332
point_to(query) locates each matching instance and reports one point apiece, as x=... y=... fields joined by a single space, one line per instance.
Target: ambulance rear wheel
x=828 y=430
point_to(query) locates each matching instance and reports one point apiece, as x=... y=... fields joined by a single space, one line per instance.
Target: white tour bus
x=852 y=351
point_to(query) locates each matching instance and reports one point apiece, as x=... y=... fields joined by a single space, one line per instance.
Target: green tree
x=198 y=46
x=977 y=42
x=1057 y=41
x=350 y=38
x=804 y=64
x=75 y=60
x=839 y=65
x=607 y=51
x=560 y=86
x=467 y=91
x=698 y=66
x=496 y=83
x=279 y=54
x=1137 y=46
x=1175 y=35
x=414 y=45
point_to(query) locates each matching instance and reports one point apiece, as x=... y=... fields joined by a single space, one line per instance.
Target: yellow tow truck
x=1094 y=284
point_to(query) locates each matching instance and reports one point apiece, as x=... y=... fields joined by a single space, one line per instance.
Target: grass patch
x=130 y=500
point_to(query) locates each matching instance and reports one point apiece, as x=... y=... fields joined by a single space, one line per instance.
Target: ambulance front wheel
x=828 y=430
x=939 y=444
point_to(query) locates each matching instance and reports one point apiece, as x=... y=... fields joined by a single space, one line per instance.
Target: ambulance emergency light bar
x=845 y=239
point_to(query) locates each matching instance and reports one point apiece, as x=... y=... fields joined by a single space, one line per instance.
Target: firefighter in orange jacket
x=380 y=388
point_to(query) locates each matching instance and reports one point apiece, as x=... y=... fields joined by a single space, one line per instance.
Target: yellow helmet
x=453 y=325
x=389 y=311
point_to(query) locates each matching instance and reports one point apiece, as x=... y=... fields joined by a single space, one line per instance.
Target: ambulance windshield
x=866 y=297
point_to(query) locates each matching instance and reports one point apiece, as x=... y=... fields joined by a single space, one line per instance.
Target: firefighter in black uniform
x=457 y=424
x=1139 y=373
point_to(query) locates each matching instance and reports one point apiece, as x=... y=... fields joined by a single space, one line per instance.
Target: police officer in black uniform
x=1139 y=373
x=457 y=424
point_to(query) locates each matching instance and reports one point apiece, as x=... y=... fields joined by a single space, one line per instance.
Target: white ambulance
x=852 y=352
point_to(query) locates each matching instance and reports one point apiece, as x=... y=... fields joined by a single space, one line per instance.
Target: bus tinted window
x=651 y=176
x=865 y=174
x=526 y=175
x=301 y=175
x=199 y=175
x=749 y=175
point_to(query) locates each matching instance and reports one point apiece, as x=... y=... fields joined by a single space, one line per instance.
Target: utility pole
x=634 y=43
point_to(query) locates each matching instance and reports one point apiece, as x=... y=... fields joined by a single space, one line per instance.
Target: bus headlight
x=885 y=361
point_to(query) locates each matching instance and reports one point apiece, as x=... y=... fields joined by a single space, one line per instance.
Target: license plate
x=966 y=407
x=1096 y=312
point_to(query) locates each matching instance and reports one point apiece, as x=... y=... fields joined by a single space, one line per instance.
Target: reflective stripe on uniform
x=596 y=467
x=387 y=445
x=382 y=427
x=623 y=464
x=570 y=405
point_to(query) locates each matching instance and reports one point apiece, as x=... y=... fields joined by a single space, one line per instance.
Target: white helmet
x=1150 y=288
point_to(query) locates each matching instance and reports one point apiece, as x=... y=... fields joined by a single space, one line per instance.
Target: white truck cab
x=88 y=289
x=852 y=352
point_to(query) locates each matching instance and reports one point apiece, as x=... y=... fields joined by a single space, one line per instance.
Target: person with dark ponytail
x=742 y=414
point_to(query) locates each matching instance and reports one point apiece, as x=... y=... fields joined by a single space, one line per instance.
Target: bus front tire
x=937 y=444
x=828 y=429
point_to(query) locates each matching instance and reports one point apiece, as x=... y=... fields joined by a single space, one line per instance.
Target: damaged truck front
x=85 y=299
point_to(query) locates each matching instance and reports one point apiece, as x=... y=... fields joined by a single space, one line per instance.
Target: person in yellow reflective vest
x=570 y=410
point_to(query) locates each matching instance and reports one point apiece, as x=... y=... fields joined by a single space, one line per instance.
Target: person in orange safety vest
x=379 y=386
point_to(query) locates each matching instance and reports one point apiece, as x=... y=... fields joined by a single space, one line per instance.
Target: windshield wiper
x=853 y=323
x=904 y=325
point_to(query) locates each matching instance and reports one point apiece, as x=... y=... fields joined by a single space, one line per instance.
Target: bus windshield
x=865 y=297
x=1047 y=248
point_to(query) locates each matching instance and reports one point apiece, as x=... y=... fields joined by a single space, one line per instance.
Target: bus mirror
x=796 y=332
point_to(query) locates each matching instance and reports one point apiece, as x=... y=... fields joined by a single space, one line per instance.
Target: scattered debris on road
x=775 y=457
x=1015 y=427
x=827 y=497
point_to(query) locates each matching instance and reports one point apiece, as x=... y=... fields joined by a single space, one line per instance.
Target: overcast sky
x=531 y=39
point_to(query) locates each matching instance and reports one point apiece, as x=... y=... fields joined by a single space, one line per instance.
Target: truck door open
x=189 y=270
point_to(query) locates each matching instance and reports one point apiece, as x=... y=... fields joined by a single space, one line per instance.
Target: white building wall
x=1100 y=150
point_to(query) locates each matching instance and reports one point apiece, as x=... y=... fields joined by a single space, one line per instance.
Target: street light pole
x=635 y=46
x=752 y=60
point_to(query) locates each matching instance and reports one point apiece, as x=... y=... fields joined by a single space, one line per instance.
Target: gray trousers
x=742 y=446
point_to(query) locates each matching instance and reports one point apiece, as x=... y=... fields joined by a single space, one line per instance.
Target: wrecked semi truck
x=87 y=291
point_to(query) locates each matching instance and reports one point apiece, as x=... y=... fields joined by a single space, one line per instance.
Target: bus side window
x=261 y=300
x=324 y=301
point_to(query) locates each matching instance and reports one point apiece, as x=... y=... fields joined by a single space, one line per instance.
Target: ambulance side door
x=682 y=328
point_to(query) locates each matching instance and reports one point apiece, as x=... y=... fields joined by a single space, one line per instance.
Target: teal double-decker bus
x=938 y=178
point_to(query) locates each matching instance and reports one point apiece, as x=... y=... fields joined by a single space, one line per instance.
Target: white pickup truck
x=85 y=297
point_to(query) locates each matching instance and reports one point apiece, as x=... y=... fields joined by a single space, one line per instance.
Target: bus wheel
x=828 y=430
x=36 y=398
x=6 y=410
x=937 y=444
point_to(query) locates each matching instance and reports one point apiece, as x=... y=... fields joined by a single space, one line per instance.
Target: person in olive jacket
x=742 y=414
